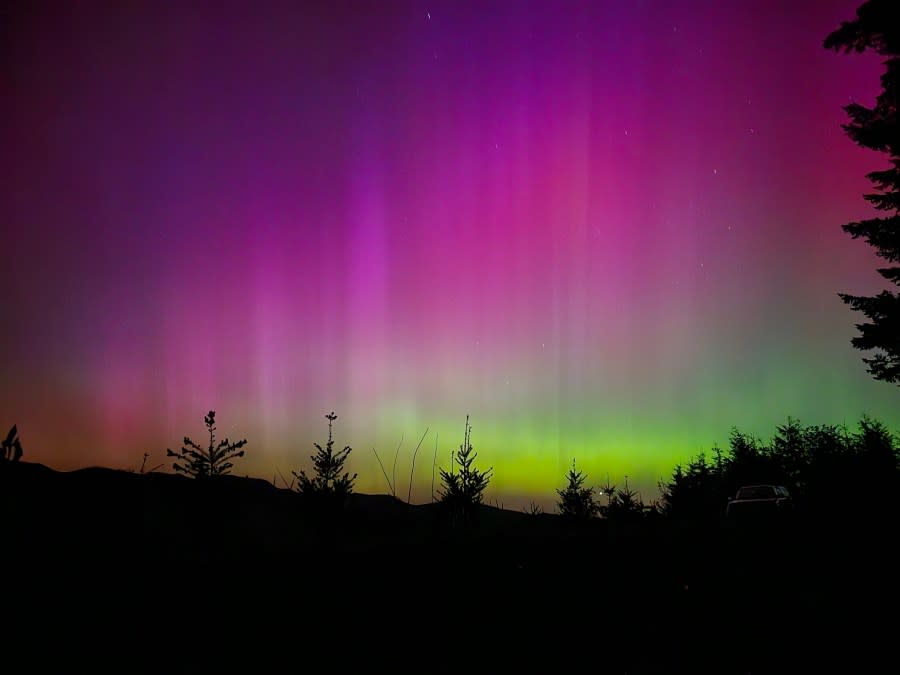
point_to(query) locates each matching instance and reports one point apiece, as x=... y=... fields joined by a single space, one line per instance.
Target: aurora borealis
x=607 y=231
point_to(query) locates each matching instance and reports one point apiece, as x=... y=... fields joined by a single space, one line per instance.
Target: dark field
x=236 y=575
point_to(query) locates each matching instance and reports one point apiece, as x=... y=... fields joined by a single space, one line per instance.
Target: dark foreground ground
x=111 y=571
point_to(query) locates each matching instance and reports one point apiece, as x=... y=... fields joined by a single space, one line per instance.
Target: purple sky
x=608 y=231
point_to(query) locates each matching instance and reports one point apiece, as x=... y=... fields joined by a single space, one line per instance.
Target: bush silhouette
x=577 y=501
x=463 y=489
x=329 y=478
x=12 y=447
x=213 y=461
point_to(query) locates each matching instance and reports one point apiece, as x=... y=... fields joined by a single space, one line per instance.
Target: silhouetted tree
x=463 y=489
x=608 y=489
x=876 y=460
x=696 y=492
x=12 y=447
x=878 y=128
x=577 y=501
x=329 y=479
x=625 y=504
x=788 y=451
x=748 y=461
x=210 y=462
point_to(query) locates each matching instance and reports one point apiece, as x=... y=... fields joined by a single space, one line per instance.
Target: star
x=428 y=15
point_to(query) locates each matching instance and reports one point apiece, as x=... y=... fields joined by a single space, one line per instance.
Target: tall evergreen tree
x=577 y=501
x=876 y=28
x=210 y=462
x=463 y=487
x=329 y=477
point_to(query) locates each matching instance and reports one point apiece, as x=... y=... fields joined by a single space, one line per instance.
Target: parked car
x=758 y=502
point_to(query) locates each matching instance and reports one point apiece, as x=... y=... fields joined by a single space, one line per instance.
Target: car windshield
x=756 y=492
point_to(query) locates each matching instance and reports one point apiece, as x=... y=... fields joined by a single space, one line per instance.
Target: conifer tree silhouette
x=878 y=128
x=329 y=477
x=577 y=501
x=210 y=462
x=463 y=487
x=625 y=504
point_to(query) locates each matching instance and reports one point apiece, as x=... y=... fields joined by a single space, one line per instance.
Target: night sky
x=607 y=231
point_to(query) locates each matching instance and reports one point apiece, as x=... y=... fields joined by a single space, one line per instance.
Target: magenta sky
x=608 y=231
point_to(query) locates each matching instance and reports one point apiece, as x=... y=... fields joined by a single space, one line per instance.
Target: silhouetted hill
x=385 y=585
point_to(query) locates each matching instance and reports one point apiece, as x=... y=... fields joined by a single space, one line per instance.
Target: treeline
x=830 y=470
